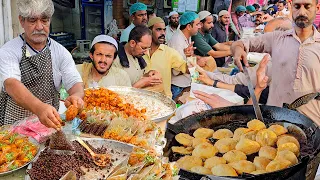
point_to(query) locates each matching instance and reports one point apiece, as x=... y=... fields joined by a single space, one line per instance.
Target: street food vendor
x=295 y=59
x=33 y=67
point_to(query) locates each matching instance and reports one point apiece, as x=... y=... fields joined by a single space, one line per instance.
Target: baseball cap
x=203 y=15
x=104 y=38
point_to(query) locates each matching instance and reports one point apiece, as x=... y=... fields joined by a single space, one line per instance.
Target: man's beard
x=207 y=30
x=100 y=72
x=174 y=24
x=162 y=37
x=302 y=21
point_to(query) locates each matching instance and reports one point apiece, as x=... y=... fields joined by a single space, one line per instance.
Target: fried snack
x=287 y=155
x=257 y=172
x=184 y=139
x=239 y=132
x=249 y=135
x=225 y=145
x=109 y=100
x=268 y=152
x=197 y=141
x=182 y=150
x=223 y=170
x=213 y=161
x=203 y=133
x=256 y=125
x=278 y=129
x=234 y=156
x=222 y=133
x=188 y=162
x=71 y=112
x=286 y=139
x=289 y=146
x=205 y=151
x=248 y=146
x=266 y=137
x=276 y=165
x=200 y=170
x=243 y=166
x=261 y=162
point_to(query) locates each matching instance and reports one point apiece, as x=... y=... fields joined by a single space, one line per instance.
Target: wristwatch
x=215 y=83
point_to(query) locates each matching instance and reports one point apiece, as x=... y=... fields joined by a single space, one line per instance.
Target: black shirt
x=219 y=32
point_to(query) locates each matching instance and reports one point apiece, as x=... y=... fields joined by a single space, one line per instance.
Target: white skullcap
x=104 y=38
x=172 y=13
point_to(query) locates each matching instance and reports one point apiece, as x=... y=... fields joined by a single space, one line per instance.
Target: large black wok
x=237 y=116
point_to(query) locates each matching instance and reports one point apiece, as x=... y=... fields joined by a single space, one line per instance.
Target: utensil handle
x=85 y=146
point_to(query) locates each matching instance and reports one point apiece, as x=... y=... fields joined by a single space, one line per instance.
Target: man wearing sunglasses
x=130 y=60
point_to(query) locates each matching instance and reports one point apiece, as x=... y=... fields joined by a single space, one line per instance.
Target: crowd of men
x=154 y=56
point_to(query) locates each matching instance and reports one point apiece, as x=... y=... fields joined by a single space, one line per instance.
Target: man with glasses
x=138 y=14
x=130 y=59
x=173 y=25
x=33 y=68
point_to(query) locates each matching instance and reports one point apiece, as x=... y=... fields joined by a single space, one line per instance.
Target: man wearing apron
x=33 y=67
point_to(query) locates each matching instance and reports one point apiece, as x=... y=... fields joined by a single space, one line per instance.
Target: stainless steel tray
x=120 y=150
x=159 y=107
x=33 y=141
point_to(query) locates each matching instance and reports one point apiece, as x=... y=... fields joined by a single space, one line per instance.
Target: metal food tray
x=115 y=146
x=33 y=141
x=159 y=107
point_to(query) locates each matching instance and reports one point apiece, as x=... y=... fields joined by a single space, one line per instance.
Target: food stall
x=119 y=134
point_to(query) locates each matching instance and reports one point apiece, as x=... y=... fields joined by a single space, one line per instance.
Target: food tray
x=159 y=107
x=33 y=141
x=119 y=152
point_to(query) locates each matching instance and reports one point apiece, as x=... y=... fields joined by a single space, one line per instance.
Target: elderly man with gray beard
x=33 y=67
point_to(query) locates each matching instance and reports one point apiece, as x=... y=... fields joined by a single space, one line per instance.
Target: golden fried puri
x=223 y=170
x=249 y=135
x=268 y=152
x=200 y=170
x=222 y=133
x=287 y=155
x=188 y=162
x=197 y=141
x=184 y=139
x=234 y=156
x=213 y=161
x=248 y=146
x=278 y=129
x=226 y=144
x=256 y=125
x=205 y=150
x=287 y=138
x=239 y=132
x=182 y=150
x=289 y=146
x=276 y=165
x=256 y=172
x=203 y=133
x=266 y=137
x=261 y=162
x=243 y=166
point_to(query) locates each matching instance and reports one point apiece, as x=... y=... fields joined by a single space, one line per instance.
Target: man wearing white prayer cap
x=100 y=72
x=173 y=25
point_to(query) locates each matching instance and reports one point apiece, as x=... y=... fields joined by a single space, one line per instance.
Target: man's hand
x=74 y=100
x=202 y=61
x=151 y=81
x=189 y=51
x=239 y=56
x=204 y=78
x=262 y=78
x=48 y=116
x=213 y=100
x=267 y=18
